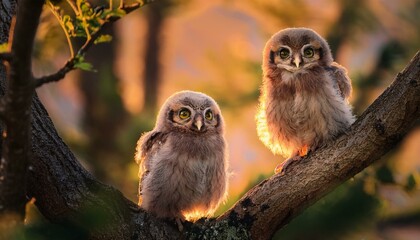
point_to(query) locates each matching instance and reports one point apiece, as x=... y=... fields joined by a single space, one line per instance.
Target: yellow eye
x=184 y=113
x=308 y=52
x=284 y=53
x=208 y=115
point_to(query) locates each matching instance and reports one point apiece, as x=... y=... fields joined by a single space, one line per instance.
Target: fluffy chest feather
x=190 y=161
x=189 y=153
x=302 y=104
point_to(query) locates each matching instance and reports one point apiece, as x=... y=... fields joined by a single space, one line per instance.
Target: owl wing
x=339 y=74
x=148 y=144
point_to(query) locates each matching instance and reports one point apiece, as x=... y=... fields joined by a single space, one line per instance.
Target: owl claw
x=281 y=168
x=303 y=151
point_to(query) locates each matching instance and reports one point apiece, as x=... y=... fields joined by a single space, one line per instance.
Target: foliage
x=86 y=22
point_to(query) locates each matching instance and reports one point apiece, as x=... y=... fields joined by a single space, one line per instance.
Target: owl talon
x=281 y=168
x=303 y=151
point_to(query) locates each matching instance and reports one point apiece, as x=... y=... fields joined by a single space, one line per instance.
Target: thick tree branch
x=16 y=102
x=275 y=201
x=70 y=64
x=64 y=191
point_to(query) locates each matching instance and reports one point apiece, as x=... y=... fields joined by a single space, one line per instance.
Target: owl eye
x=308 y=52
x=184 y=113
x=284 y=53
x=208 y=115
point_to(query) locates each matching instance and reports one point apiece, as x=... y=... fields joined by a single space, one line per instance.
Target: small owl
x=304 y=95
x=183 y=161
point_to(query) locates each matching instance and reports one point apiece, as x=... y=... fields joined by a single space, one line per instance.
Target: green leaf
x=103 y=38
x=94 y=24
x=84 y=66
x=85 y=7
x=80 y=63
x=4 y=47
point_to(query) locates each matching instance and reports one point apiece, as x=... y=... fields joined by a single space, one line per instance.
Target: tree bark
x=15 y=105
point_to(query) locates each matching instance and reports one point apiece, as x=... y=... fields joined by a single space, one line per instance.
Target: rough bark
x=64 y=190
x=66 y=193
x=15 y=105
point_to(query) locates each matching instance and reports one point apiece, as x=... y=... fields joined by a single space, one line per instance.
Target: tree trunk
x=152 y=68
x=15 y=105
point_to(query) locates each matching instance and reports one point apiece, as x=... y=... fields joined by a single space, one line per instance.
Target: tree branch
x=70 y=64
x=274 y=202
x=60 y=74
x=16 y=102
x=64 y=190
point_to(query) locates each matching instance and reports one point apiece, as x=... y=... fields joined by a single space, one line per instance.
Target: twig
x=60 y=74
x=51 y=6
x=127 y=8
x=69 y=66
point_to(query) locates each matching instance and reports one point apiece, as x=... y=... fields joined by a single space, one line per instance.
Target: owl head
x=190 y=112
x=296 y=50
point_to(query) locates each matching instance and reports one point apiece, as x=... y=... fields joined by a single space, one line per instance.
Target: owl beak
x=297 y=61
x=198 y=123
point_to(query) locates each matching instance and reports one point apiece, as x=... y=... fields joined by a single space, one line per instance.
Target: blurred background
x=215 y=47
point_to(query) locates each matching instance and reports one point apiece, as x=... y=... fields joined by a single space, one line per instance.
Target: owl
x=183 y=161
x=304 y=95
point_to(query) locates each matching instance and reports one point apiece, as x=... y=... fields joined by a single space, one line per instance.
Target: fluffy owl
x=304 y=95
x=183 y=162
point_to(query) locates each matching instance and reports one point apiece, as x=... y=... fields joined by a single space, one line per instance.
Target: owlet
x=304 y=95
x=183 y=161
